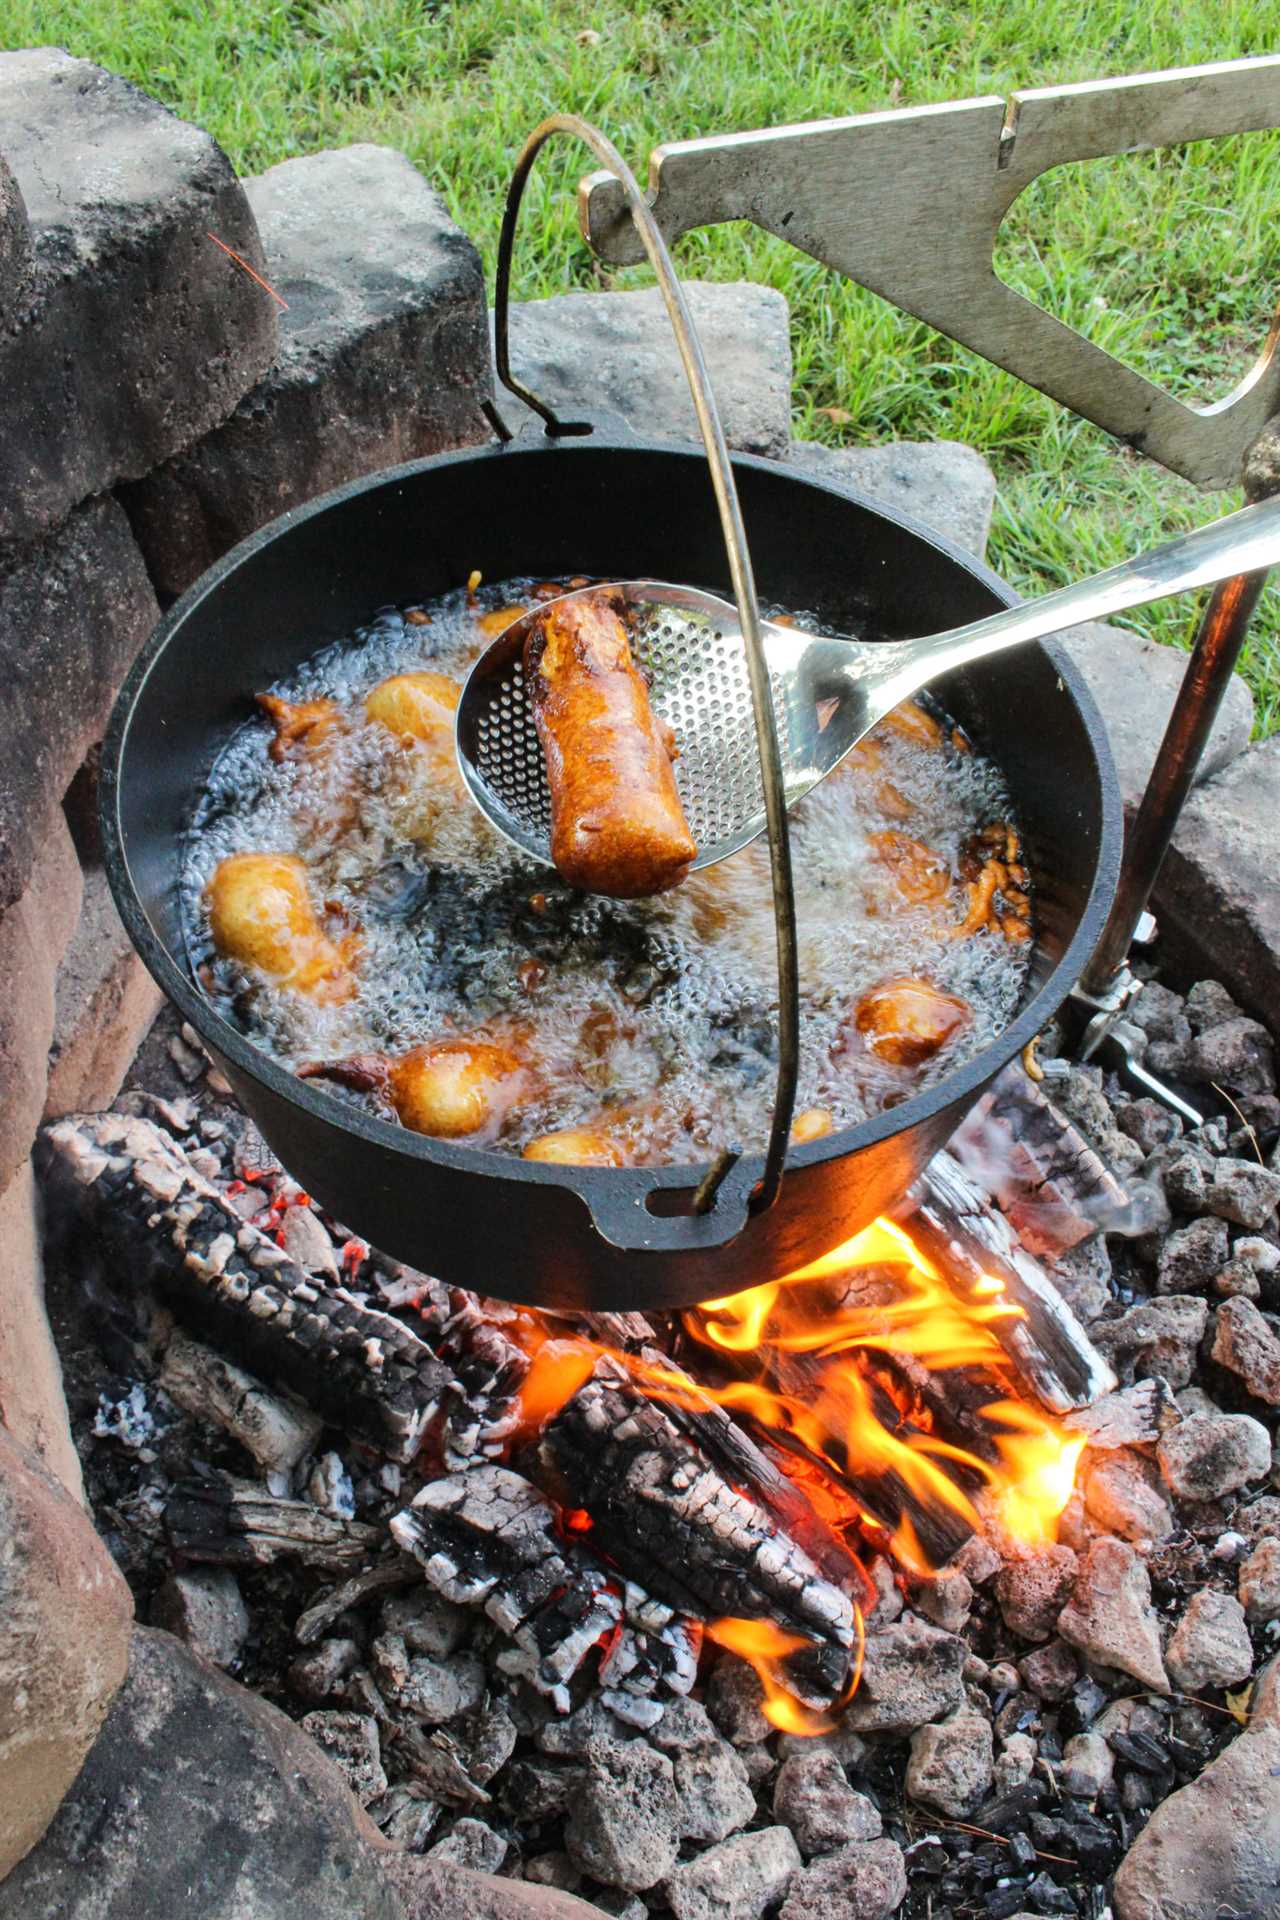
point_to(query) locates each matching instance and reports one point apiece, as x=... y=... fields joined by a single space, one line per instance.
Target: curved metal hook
x=744 y=590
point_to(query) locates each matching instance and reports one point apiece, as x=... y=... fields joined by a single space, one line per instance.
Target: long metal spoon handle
x=1243 y=542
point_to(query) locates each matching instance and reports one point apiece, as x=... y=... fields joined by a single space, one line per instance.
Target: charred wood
x=162 y=1224
x=235 y=1523
x=382 y=1577
x=969 y=1241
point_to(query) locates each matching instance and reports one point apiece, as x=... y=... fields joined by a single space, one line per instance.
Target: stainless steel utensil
x=827 y=693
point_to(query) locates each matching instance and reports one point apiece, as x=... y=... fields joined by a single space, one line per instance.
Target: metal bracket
x=909 y=203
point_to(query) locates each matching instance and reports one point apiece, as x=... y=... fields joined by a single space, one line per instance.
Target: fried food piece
x=260 y=914
x=906 y=1021
x=454 y=1089
x=586 y=1146
x=866 y=761
x=920 y=874
x=813 y=1124
x=499 y=620
x=299 y=723
x=415 y=706
x=913 y=722
x=617 y=825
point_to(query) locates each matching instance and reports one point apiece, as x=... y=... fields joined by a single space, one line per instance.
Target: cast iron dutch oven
x=608 y=507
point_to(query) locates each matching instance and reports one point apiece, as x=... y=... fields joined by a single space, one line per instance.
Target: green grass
x=1170 y=260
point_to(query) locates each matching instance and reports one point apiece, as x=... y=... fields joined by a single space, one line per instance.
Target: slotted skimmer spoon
x=827 y=693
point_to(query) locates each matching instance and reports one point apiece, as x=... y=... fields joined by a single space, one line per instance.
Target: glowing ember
x=807 y=1361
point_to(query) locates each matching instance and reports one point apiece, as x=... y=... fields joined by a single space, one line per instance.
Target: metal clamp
x=744 y=592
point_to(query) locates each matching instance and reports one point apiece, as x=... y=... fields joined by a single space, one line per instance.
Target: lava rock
x=1109 y=1617
x=64 y=1641
x=1243 y=1192
x=1192 y=1255
x=1213 y=1847
x=1159 y=1338
x=319 y=1675
x=1122 y=1493
x=1051 y=1672
x=1212 y=1454
x=624 y=1820
x=438 y=1691
x=1210 y=1645
x=426 y=1622
x=946 y=1599
x=867 y=1880
x=471 y=1843
x=1148 y=1122
x=1015 y=1763
x=713 y=1790
x=737 y=1880
x=383 y=356
x=813 y=1798
x=1088 y=1766
x=1162 y=1015
x=1245 y=1343
x=1238 y=1055
x=204 y=1607
x=950 y=1768
x=1260 y=1581
x=194 y=1783
x=911 y=1674
x=139 y=333
x=685 y=1724
x=943 y=483
x=1032 y=1589
x=735 y=1701
x=351 y=1742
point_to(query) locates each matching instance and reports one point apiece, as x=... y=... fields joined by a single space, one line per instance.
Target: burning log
x=235 y=1523
x=972 y=1245
x=489 y=1538
x=663 y=1513
x=1035 y=1163
x=487 y=1368
x=161 y=1223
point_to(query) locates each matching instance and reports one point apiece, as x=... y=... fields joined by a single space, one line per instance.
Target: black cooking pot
x=621 y=508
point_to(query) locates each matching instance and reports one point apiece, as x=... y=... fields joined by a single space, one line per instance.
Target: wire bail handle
x=744 y=593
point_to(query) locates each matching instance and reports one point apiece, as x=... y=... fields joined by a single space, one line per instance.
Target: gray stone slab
x=15 y=245
x=74 y=609
x=140 y=333
x=614 y=353
x=1218 y=897
x=1135 y=682
x=943 y=484
x=34 y=932
x=383 y=357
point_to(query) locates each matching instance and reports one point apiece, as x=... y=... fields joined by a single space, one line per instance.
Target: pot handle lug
x=640 y=1212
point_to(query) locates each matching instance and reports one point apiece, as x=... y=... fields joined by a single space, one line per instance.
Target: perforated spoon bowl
x=827 y=693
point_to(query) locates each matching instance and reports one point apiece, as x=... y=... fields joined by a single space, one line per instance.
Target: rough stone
x=1212 y=1454
x=865 y=1881
x=946 y=1599
x=438 y=1691
x=351 y=1742
x=1148 y=1123
x=32 y=1405
x=426 y=1622
x=1122 y=1493
x=1109 y=1618
x=1135 y=682
x=204 y=1607
x=1216 y=898
x=1160 y=1337
x=1243 y=1192
x=1051 y=1671
x=614 y=353
x=1014 y=1763
x=104 y=1004
x=319 y=1675
x=383 y=357
x=1032 y=1589
x=74 y=610
x=1191 y=1256
x=1244 y=1342
x=624 y=1821
x=943 y=484
x=951 y=1764
x=813 y=1798
x=713 y=1789
x=140 y=333
x=64 y=1644
x=737 y=1880
x=471 y=1843
x=1088 y=1766
x=1238 y=1055
x=735 y=1701
x=1213 y=1847
x=911 y=1674
x=1260 y=1581
x=34 y=931
x=1210 y=1645
x=195 y=1783
x=16 y=261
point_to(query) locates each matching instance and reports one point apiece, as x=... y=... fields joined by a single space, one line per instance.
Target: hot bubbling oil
x=662 y=1011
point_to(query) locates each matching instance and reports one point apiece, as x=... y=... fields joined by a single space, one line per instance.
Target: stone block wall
x=160 y=404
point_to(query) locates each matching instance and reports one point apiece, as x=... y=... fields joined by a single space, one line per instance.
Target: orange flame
x=765 y=1646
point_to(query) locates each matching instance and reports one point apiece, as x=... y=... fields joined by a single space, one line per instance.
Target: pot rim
x=625 y=1183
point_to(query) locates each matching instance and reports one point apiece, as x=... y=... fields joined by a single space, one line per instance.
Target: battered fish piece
x=459 y=1088
x=416 y=706
x=906 y=1021
x=260 y=914
x=617 y=825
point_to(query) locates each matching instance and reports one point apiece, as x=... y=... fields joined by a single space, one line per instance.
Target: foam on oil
x=661 y=1009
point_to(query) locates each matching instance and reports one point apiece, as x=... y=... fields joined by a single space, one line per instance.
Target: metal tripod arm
x=909 y=203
